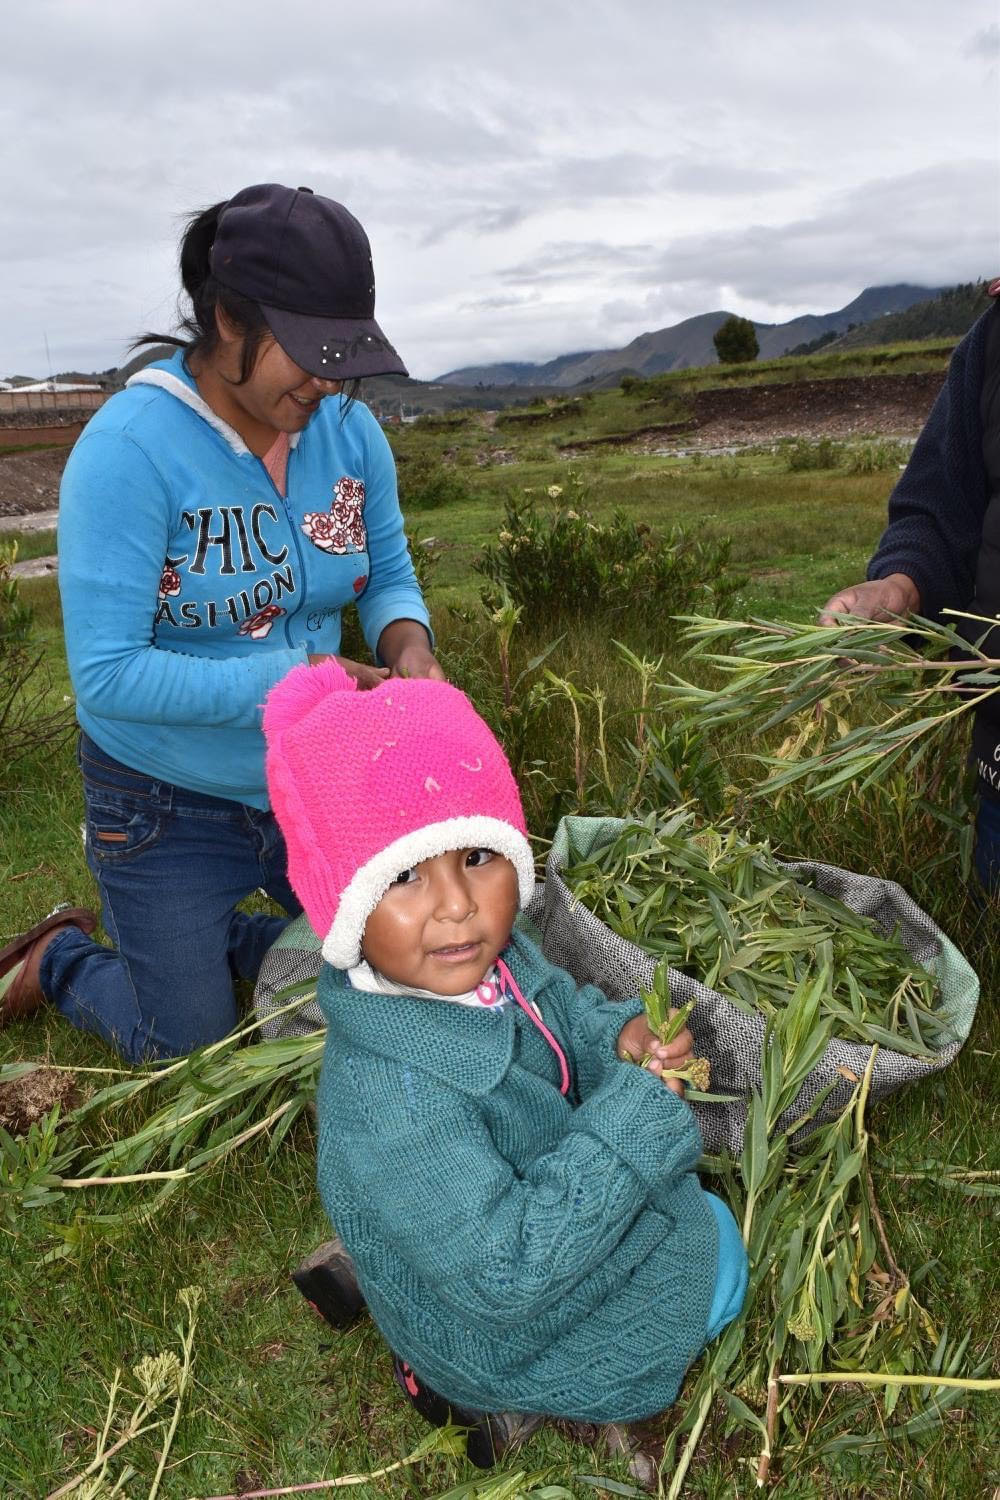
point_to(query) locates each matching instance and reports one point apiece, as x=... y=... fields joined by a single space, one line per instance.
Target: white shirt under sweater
x=364 y=977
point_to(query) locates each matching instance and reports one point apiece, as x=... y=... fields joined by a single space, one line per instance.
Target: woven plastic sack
x=294 y=959
x=576 y=940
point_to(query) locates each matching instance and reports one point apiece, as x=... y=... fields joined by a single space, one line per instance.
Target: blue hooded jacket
x=190 y=585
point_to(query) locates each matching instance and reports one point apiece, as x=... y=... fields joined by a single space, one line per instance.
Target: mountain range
x=687 y=344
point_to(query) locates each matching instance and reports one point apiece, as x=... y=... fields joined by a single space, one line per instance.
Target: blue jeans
x=988 y=844
x=171 y=866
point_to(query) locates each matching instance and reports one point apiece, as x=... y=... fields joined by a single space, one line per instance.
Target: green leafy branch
x=927 y=675
x=215 y=1101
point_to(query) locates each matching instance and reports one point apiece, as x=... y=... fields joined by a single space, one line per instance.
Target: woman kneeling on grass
x=517 y=1196
x=215 y=517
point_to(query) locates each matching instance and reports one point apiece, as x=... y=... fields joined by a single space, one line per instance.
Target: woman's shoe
x=20 y=962
x=491 y=1434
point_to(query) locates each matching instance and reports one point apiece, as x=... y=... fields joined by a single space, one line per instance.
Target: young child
x=518 y=1197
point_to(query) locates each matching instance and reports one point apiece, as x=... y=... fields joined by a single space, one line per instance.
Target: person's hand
x=636 y=1041
x=878 y=599
x=417 y=661
x=364 y=674
x=406 y=646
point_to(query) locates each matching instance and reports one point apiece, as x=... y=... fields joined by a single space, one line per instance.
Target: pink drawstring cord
x=507 y=980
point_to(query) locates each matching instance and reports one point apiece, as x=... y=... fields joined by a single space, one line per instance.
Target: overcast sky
x=536 y=176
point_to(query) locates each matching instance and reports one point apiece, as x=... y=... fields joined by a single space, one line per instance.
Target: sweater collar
x=465 y=1047
x=462 y=1047
x=363 y=977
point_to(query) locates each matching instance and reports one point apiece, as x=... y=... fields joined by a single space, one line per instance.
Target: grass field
x=33 y=544
x=277 y=1398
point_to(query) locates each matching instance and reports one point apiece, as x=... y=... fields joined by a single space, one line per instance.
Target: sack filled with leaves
x=740 y=931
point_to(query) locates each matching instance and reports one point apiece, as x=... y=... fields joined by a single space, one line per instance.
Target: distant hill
x=879 y=315
x=519 y=372
x=688 y=344
x=950 y=314
x=143 y=357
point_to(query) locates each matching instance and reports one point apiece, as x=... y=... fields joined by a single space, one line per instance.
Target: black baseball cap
x=307 y=262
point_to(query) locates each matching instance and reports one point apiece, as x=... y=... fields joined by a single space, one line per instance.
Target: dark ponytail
x=206 y=294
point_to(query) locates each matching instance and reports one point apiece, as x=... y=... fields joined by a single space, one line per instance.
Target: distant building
x=58 y=387
x=48 y=403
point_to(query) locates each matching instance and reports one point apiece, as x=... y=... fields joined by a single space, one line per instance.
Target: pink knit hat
x=367 y=784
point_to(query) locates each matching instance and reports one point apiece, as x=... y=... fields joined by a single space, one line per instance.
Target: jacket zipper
x=295 y=535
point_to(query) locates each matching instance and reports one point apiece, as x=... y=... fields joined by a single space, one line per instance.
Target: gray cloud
x=882 y=231
x=500 y=303
x=534 y=179
x=985 y=43
x=725 y=178
x=478 y=221
x=554 y=262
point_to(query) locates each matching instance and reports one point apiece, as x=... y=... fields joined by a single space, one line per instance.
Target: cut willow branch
x=178 y=1173
x=706 y=901
x=925 y=674
x=770 y=1425
x=442 y=1440
x=206 y=1106
x=887 y=1377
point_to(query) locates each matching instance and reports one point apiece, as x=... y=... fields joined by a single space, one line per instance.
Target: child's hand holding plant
x=637 y=1042
x=661 y=1041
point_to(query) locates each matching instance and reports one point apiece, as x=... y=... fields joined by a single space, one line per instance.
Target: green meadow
x=278 y=1399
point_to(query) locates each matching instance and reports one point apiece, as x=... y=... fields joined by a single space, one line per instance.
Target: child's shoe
x=326 y=1279
x=491 y=1434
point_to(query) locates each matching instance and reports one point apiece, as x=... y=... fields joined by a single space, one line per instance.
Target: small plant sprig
x=666 y=1024
x=160 y=1378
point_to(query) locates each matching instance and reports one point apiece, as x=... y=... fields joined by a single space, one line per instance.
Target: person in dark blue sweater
x=941 y=547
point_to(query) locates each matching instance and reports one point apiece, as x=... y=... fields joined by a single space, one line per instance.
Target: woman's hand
x=364 y=674
x=417 y=661
x=405 y=646
x=636 y=1041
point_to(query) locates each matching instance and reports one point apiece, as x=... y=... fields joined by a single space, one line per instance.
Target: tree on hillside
x=735 y=341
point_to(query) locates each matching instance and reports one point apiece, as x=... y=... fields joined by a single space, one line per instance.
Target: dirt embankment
x=29 y=482
x=851 y=407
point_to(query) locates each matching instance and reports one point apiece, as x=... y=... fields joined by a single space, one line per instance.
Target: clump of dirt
x=248 y=1481
x=245 y=1290
x=29 y=1098
x=30 y=481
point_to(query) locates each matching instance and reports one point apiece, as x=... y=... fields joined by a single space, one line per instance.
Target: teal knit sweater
x=520 y=1249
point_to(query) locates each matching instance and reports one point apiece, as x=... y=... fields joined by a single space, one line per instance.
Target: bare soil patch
x=857 y=406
